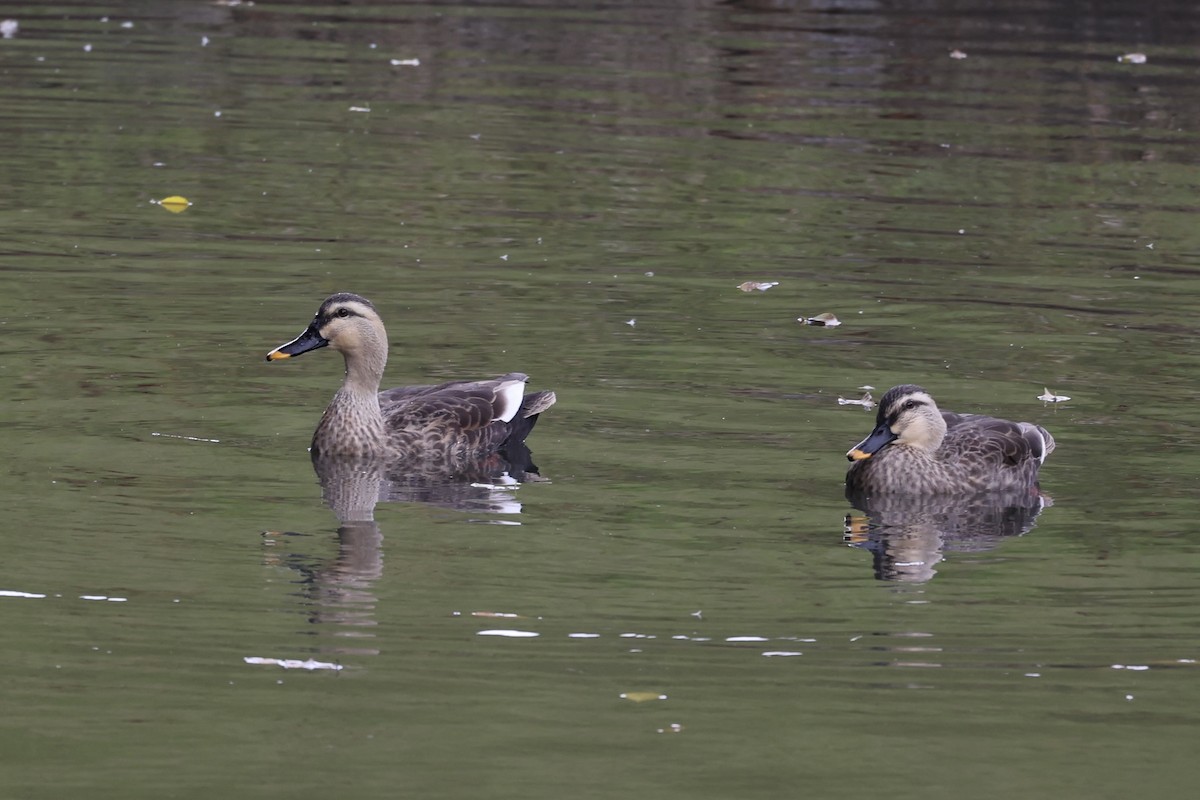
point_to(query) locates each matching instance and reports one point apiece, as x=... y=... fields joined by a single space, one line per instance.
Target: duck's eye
x=910 y=405
x=343 y=312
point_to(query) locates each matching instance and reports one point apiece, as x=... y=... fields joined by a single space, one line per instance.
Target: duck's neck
x=364 y=368
x=353 y=424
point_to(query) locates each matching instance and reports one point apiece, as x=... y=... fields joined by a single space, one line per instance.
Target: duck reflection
x=336 y=591
x=352 y=487
x=908 y=535
x=339 y=592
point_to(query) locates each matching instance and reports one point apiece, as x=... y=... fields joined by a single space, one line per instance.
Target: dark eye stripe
x=907 y=405
x=341 y=311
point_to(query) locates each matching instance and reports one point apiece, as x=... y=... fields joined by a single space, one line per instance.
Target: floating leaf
x=826 y=319
x=175 y=204
x=9 y=28
x=1132 y=58
x=757 y=286
x=1048 y=396
x=495 y=614
x=642 y=697
x=406 y=62
x=959 y=54
x=674 y=727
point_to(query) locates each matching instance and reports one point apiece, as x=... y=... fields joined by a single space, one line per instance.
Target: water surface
x=575 y=192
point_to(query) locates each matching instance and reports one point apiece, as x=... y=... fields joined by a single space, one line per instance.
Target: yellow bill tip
x=857 y=455
x=275 y=355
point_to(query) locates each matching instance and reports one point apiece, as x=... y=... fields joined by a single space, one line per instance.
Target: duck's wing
x=977 y=439
x=455 y=407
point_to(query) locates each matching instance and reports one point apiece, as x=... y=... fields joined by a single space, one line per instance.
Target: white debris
x=1048 y=396
x=865 y=401
x=826 y=319
x=293 y=663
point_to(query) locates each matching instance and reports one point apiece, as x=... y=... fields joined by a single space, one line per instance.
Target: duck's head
x=907 y=416
x=347 y=322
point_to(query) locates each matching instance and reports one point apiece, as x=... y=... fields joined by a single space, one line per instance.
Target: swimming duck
x=453 y=423
x=917 y=449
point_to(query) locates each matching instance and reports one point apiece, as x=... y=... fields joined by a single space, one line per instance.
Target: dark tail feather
x=526 y=418
x=514 y=449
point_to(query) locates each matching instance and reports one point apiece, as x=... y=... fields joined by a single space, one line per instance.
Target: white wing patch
x=1045 y=448
x=510 y=394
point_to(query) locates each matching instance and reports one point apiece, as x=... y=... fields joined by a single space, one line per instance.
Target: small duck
x=453 y=424
x=916 y=449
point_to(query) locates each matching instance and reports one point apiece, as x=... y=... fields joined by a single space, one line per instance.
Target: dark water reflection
x=908 y=535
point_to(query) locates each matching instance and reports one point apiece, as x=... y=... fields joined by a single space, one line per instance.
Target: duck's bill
x=309 y=340
x=879 y=438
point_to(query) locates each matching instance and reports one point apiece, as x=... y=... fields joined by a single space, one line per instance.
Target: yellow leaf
x=642 y=697
x=175 y=204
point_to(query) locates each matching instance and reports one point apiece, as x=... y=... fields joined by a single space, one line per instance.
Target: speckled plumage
x=450 y=424
x=917 y=449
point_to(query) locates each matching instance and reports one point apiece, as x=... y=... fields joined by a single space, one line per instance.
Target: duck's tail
x=514 y=449
x=536 y=403
x=526 y=418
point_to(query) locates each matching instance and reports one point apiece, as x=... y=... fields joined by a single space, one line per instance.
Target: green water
x=575 y=192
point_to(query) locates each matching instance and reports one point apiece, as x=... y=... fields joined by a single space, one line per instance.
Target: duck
x=450 y=424
x=917 y=449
